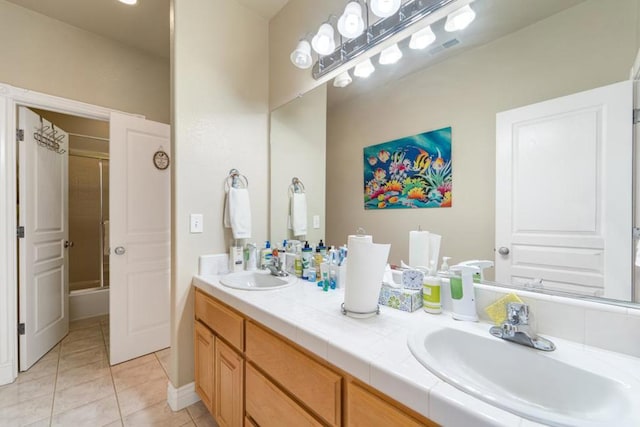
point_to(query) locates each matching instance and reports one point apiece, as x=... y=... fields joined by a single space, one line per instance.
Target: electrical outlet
x=316 y=221
x=196 y=223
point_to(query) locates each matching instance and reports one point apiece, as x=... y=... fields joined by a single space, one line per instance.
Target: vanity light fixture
x=385 y=8
x=459 y=19
x=364 y=69
x=129 y=2
x=351 y=24
x=390 y=55
x=422 y=38
x=343 y=80
x=323 y=42
x=301 y=56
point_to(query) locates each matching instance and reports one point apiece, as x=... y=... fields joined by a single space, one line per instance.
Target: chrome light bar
x=409 y=13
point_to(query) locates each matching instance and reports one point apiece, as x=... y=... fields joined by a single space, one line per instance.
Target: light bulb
x=323 y=42
x=390 y=55
x=422 y=38
x=342 y=80
x=459 y=19
x=385 y=8
x=351 y=24
x=364 y=69
x=301 y=56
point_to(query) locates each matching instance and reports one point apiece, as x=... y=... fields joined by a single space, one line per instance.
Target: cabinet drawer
x=268 y=406
x=365 y=409
x=315 y=385
x=224 y=322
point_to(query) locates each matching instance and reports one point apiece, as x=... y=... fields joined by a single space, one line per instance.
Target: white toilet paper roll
x=359 y=238
x=365 y=269
x=419 y=245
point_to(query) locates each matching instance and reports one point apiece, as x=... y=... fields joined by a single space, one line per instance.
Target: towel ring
x=296 y=186
x=235 y=180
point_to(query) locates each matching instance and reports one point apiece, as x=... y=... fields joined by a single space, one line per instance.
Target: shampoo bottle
x=265 y=255
x=307 y=255
x=463 y=300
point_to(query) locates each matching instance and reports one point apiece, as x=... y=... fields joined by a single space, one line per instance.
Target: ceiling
x=494 y=19
x=144 y=26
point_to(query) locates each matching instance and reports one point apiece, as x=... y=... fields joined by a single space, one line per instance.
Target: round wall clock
x=161 y=160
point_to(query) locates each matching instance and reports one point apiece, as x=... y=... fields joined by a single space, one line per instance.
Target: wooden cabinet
x=204 y=358
x=279 y=383
x=367 y=409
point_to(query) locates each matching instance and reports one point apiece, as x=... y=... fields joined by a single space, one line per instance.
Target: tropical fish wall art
x=410 y=172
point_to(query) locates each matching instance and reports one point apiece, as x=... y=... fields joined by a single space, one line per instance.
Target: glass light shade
x=323 y=42
x=351 y=24
x=422 y=38
x=385 y=8
x=301 y=56
x=364 y=69
x=342 y=80
x=129 y=2
x=459 y=19
x=390 y=55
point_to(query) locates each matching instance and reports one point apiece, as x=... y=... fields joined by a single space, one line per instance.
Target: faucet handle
x=517 y=313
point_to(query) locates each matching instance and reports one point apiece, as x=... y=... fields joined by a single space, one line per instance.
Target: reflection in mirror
x=298 y=136
x=515 y=54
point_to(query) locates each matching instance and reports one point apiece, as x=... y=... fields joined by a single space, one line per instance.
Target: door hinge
x=20 y=232
x=636 y=233
x=636 y=116
x=20 y=328
x=20 y=134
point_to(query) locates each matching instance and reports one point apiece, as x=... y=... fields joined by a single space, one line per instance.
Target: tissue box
x=400 y=298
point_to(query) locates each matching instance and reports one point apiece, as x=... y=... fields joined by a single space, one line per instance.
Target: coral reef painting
x=410 y=172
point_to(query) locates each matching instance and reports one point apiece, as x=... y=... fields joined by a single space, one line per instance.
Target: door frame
x=10 y=98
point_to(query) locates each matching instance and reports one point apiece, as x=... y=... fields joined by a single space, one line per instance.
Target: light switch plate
x=196 y=225
x=316 y=221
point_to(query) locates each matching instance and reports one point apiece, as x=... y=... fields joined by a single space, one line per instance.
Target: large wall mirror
x=516 y=53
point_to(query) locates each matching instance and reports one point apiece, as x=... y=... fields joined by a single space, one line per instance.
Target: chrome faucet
x=516 y=328
x=275 y=267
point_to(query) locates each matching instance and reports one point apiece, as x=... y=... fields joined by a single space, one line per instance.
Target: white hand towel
x=239 y=212
x=226 y=221
x=299 y=214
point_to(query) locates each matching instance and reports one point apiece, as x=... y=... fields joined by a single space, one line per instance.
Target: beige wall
x=589 y=45
x=220 y=121
x=46 y=55
x=298 y=135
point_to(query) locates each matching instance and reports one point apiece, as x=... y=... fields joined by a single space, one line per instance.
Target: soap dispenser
x=481 y=264
x=463 y=300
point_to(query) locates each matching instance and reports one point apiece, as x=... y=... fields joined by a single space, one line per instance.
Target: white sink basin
x=256 y=281
x=569 y=387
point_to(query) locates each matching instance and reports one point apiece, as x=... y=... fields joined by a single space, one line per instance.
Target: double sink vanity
x=288 y=356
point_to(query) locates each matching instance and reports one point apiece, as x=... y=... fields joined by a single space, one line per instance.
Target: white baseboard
x=180 y=398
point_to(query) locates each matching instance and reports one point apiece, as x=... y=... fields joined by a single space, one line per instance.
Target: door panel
x=43 y=261
x=140 y=238
x=561 y=166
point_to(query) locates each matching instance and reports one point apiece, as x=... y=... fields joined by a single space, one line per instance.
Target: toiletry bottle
x=251 y=257
x=236 y=259
x=265 y=256
x=323 y=249
x=317 y=261
x=297 y=263
x=307 y=255
x=481 y=264
x=445 y=285
x=431 y=285
x=463 y=300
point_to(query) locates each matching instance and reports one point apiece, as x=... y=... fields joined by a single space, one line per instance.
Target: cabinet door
x=204 y=358
x=364 y=409
x=229 y=378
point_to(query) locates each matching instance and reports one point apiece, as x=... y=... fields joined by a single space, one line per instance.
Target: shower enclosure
x=88 y=222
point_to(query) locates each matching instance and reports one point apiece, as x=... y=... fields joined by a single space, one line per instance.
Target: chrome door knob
x=503 y=250
x=68 y=244
x=120 y=250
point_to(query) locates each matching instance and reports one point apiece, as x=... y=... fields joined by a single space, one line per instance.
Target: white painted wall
x=219 y=122
x=46 y=55
x=589 y=45
x=298 y=141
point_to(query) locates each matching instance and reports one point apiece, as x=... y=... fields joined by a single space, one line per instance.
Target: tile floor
x=73 y=385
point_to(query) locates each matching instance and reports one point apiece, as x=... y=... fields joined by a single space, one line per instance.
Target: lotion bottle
x=431 y=296
x=265 y=255
x=463 y=299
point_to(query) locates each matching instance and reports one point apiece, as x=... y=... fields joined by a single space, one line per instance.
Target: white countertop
x=374 y=350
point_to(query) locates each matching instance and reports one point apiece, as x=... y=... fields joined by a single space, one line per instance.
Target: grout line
x=55 y=384
x=113 y=381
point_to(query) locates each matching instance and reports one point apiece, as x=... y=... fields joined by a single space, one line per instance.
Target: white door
x=43 y=260
x=140 y=238
x=563 y=193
